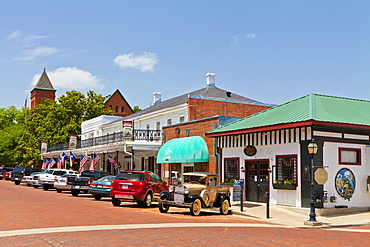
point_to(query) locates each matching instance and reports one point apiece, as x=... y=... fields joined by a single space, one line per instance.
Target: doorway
x=257 y=180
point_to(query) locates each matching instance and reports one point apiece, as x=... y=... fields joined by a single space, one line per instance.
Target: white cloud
x=33 y=37
x=13 y=35
x=240 y=37
x=72 y=78
x=144 y=62
x=41 y=51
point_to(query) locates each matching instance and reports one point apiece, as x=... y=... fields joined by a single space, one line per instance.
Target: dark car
x=82 y=183
x=4 y=170
x=137 y=186
x=19 y=172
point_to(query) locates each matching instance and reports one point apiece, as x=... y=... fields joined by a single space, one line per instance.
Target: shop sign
x=250 y=150
x=127 y=130
x=345 y=183
x=321 y=176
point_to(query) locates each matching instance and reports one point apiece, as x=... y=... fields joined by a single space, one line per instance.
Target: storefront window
x=349 y=156
x=286 y=170
x=231 y=168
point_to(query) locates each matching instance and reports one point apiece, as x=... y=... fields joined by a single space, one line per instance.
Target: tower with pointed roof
x=42 y=90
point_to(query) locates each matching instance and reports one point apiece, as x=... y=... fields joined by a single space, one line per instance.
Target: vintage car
x=198 y=190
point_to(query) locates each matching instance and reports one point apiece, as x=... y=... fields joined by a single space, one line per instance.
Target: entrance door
x=257 y=178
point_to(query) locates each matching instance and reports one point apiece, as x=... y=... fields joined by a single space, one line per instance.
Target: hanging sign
x=44 y=147
x=72 y=141
x=250 y=150
x=127 y=130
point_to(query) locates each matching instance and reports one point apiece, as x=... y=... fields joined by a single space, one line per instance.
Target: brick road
x=26 y=208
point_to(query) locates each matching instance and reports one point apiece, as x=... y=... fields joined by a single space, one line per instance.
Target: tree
x=136 y=109
x=54 y=122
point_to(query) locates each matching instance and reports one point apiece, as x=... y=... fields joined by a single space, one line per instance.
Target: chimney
x=210 y=79
x=157 y=97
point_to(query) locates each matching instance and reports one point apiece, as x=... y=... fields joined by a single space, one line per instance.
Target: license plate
x=99 y=186
x=123 y=197
x=124 y=186
x=76 y=187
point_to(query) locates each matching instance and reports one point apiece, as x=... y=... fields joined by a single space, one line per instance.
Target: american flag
x=45 y=163
x=95 y=159
x=113 y=161
x=51 y=163
x=83 y=161
x=59 y=163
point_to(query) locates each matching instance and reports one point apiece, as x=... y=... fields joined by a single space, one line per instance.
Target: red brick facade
x=203 y=108
x=209 y=109
x=37 y=95
x=118 y=104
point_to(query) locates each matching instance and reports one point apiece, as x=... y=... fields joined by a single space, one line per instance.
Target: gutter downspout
x=131 y=154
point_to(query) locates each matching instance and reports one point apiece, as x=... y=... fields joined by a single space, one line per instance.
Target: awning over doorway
x=184 y=150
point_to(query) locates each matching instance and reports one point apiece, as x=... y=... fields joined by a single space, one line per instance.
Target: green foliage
x=54 y=122
x=136 y=109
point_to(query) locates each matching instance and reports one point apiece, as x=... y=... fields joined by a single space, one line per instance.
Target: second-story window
x=169 y=121
x=148 y=126
x=182 y=119
x=122 y=109
x=116 y=108
x=158 y=125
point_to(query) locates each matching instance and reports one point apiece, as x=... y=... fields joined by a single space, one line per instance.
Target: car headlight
x=171 y=189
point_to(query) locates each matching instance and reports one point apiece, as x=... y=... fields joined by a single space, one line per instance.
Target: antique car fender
x=220 y=198
x=165 y=194
x=194 y=196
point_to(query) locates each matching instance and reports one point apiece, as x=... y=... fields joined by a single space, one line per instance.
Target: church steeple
x=42 y=90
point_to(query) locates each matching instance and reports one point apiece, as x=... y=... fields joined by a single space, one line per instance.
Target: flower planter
x=284 y=186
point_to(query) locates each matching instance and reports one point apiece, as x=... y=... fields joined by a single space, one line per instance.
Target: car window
x=48 y=171
x=59 y=173
x=18 y=169
x=195 y=179
x=106 y=179
x=153 y=179
x=212 y=181
x=130 y=176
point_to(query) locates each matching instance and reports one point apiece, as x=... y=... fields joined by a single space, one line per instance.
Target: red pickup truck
x=137 y=186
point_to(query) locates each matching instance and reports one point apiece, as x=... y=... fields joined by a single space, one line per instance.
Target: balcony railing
x=142 y=135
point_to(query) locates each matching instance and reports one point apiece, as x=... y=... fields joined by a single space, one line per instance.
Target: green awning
x=183 y=150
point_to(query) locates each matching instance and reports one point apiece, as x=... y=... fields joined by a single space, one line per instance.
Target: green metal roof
x=183 y=150
x=315 y=107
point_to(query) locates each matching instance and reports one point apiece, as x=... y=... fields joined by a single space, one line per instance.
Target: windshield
x=59 y=173
x=48 y=171
x=106 y=179
x=195 y=179
x=130 y=176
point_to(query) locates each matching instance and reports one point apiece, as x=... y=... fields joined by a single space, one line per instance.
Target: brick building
x=118 y=104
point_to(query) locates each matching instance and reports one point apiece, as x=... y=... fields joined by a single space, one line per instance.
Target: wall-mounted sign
x=72 y=141
x=127 y=130
x=250 y=150
x=345 y=183
x=44 y=147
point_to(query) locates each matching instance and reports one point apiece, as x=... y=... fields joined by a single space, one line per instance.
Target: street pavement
x=296 y=217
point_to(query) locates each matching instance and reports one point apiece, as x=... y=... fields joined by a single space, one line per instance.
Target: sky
x=267 y=50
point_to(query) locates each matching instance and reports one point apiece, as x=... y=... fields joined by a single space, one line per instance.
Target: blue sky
x=270 y=51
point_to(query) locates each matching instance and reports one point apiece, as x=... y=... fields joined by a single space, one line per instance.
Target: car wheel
x=17 y=182
x=206 y=198
x=75 y=192
x=195 y=207
x=116 y=202
x=147 y=200
x=97 y=197
x=28 y=185
x=45 y=187
x=224 y=209
x=163 y=208
x=59 y=191
x=35 y=186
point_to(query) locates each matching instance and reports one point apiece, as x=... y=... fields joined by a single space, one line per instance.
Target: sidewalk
x=296 y=217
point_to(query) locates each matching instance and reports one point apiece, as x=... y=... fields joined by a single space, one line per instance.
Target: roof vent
x=157 y=97
x=228 y=94
x=210 y=79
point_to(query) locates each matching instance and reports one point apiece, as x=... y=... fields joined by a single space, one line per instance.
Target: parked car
x=101 y=187
x=35 y=181
x=28 y=179
x=4 y=170
x=6 y=175
x=137 y=186
x=46 y=178
x=60 y=183
x=199 y=190
x=82 y=183
x=19 y=172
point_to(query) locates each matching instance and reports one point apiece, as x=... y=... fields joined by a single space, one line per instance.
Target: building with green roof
x=269 y=151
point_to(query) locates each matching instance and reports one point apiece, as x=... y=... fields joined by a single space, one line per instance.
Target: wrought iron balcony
x=142 y=135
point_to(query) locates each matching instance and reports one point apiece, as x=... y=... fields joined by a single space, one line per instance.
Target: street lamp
x=312 y=149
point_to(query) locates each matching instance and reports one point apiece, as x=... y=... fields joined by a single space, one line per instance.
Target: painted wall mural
x=345 y=183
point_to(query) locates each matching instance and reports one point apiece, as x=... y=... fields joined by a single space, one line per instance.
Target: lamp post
x=312 y=149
